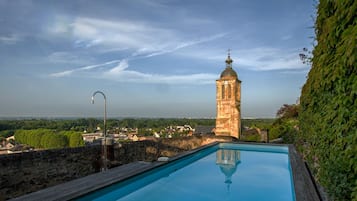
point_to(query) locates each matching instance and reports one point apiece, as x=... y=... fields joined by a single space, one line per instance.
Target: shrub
x=75 y=139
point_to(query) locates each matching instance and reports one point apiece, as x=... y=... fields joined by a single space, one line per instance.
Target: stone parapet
x=26 y=172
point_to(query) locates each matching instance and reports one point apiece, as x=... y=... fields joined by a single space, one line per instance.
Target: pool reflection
x=228 y=160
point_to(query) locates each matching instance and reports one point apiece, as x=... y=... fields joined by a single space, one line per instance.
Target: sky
x=151 y=58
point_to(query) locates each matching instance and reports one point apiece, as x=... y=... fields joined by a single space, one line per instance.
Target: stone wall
x=150 y=150
x=27 y=172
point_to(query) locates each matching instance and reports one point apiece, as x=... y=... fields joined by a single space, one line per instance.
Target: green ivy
x=328 y=115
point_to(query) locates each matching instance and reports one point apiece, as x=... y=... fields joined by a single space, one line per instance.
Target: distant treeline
x=92 y=123
x=58 y=125
x=47 y=139
x=8 y=127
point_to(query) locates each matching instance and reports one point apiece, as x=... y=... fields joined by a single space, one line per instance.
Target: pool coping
x=305 y=190
x=303 y=185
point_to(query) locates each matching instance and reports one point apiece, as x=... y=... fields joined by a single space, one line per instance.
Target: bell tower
x=228 y=120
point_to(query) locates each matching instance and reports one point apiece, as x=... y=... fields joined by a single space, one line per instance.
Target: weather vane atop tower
x=229 y=60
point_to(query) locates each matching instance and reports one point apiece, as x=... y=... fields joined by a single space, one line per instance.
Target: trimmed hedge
x=328 y=116
x=48 y=139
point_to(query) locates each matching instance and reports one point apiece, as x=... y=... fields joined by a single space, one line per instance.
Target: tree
x=288 y=111
x=286 y=124
x=7 y=133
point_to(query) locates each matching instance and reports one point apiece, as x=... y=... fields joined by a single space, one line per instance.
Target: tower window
x=229 y=90
x=223 y=92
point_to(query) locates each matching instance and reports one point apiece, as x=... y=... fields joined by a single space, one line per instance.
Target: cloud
x=286 y=37
x=121 y=73
x=296 y=72
x=146 y=78
x=84 y=68
x=12 y=39
x=255 y=59
x=122 y=65
x=142 y=38
x=60 y=25
x=266 y=59
x=146 y=52
x=62 y=74
x=64 y=57
x=119 y=33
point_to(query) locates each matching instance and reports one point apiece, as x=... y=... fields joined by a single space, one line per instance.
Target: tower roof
x=229 y=72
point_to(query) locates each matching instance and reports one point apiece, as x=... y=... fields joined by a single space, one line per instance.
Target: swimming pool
x=225 y=171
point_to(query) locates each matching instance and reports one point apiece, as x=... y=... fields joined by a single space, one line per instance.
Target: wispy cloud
x=121 y=73
x=146 y=52
x=84 y=68
x=62 y=73
x=143 y=40
x=120 y=33
x=266 y=58
x=61 y=24
x=296 y=72
x=11 y=39
x=122 y=65
x=286 y=37
x=255 y=59
x=70 y=58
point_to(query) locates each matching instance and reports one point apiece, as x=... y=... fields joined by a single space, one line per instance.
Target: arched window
x=223 y=92
x=234 y=91
x=229 y=91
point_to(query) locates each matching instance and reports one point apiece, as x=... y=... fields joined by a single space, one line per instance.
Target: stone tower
x=228 y=121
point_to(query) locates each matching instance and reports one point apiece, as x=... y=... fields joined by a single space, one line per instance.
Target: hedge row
x=328 y=116
x=47 y=139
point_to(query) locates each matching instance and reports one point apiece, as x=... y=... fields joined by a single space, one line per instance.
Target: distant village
x=133 y=134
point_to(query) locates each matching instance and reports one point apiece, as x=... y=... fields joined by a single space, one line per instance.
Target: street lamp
x=105 y=127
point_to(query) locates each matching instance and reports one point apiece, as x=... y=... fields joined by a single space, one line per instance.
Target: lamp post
x=105 y=127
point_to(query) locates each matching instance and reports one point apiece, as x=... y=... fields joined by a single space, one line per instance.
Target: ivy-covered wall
x=328 y=116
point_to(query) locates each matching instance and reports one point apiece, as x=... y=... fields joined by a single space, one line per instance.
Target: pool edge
x=81 y=186
x=302 y=182
x=304 y=188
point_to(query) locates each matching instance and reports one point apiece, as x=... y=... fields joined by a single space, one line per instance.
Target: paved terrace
x=305 y=189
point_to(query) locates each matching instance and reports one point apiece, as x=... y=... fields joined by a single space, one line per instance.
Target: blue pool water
x=222 y=172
